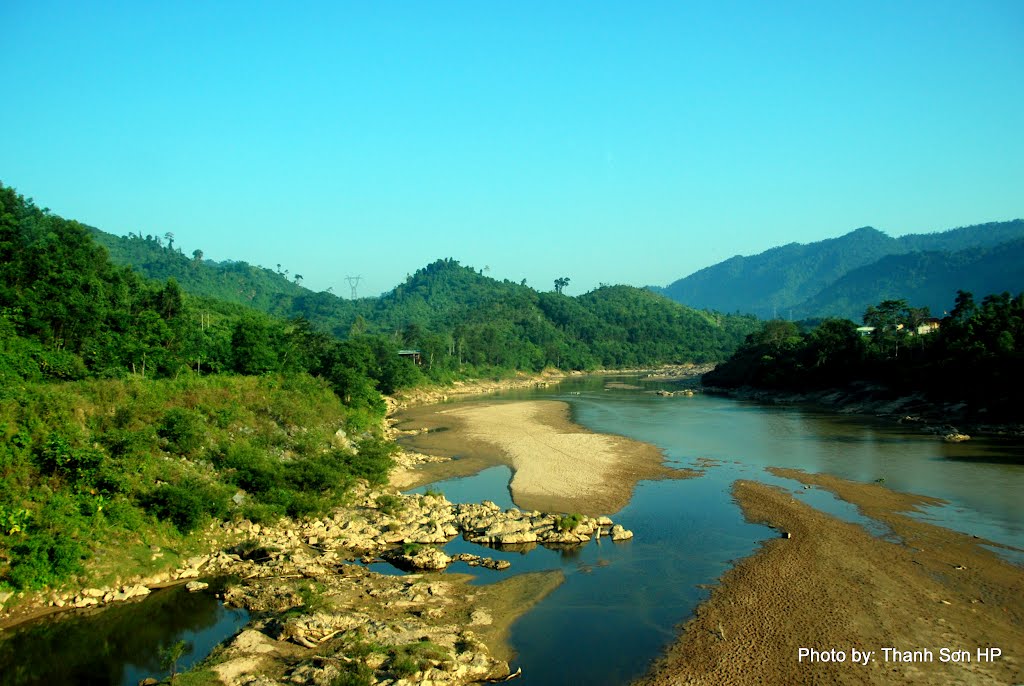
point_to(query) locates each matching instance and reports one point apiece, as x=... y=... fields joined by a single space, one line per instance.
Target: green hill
x=460 y=318
x=923 y=278
x=791 y=277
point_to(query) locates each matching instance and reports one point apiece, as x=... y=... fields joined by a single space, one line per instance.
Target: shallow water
x=119 y=644
x=621 y=602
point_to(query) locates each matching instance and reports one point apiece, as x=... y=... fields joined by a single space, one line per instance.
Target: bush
x=184 y=431
x=44 y=558
x=373 y=461
x=568 y=522
x=186 y=505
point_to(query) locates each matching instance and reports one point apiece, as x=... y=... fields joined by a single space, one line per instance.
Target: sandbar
x=557 y=465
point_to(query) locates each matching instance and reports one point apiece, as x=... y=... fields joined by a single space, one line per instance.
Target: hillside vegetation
x=133 y=411
x=842 y=276
x=464 y=321
x=975 y=357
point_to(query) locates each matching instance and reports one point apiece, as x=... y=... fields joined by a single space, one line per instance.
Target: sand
x=831 y=586
x=557 y=465
x=835 y=586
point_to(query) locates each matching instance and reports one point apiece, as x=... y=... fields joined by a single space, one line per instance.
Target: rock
x=480 y=618
x=195 y=586
x=956 y=438
x=425 y=558
x=621 y=534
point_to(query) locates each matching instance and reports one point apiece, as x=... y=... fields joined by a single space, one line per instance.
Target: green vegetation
x=466 y=324
x=406 y=660
x=170 y=655
x=568 y=522
x=135 y=412
x=976 y=356
x=840 y=277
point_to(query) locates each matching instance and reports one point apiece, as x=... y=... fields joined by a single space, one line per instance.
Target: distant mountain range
x=842 y=276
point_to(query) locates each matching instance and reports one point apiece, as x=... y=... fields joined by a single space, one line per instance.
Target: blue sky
x=604 y=141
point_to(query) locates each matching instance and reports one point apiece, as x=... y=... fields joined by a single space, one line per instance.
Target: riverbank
x=321 y=614
x=827 y=584
x=912 y=410
x=433 y=394
x=557 y=464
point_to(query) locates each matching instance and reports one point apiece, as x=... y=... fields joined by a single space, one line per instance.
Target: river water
x=621 y=603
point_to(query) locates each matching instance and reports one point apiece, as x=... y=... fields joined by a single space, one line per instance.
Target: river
x=621 y=603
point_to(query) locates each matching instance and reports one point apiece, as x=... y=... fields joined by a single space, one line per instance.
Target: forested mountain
x=923 y=278
x=158 y=258
x=460 y=317
x=788 y=281
x=131 y=413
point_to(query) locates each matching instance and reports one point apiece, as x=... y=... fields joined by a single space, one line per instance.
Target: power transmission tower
x=353 y=281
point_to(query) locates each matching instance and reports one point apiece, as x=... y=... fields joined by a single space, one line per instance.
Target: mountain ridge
x=791 y=279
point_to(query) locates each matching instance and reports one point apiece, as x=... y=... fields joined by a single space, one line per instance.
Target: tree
x=561 y=283
x=170 y=655
x=298 y=279
x=197 y=255
x=170 y=240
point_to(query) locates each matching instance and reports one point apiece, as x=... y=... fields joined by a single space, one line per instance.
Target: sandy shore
x=558 y=466
x=835 y=586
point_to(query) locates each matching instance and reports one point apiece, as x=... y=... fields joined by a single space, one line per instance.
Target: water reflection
x=119 y=644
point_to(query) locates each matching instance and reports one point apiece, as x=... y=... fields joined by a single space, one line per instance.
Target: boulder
x=620 y=533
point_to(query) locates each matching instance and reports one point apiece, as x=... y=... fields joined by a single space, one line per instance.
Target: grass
x=406 y=660
x=92 y=473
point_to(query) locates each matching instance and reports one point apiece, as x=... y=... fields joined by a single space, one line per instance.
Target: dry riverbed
x=833 y=586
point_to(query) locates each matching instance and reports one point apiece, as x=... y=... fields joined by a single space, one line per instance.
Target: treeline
x=465 y=322
x=131 y=413
x=976 y=355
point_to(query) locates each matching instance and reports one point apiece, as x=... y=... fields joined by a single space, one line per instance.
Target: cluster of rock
x=88 y=597
x=688 y=392
x=487 y=523
x=394 y=614
x=367 y=620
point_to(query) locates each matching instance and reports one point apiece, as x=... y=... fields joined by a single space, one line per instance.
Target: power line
x=353 y=281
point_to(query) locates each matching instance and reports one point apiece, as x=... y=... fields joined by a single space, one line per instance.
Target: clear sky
x=608 y=142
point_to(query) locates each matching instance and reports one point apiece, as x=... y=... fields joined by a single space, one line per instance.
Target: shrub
x=44 y=558
x=353 y=674
x=568 y=522
x=186 y=505
x=389 y=504
x=184 y=431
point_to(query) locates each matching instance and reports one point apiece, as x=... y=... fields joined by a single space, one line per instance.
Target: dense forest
x=464 y=321
x=133 y=410
x=976 y=356
x=840 y=277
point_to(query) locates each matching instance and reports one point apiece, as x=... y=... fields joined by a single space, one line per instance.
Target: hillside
x=922 y=278
x=460 y=317
x=791 y=277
